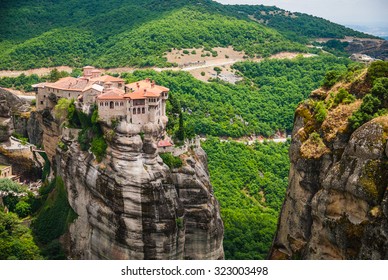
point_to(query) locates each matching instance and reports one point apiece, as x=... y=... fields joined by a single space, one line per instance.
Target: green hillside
x=132 y=33
x=297 y=26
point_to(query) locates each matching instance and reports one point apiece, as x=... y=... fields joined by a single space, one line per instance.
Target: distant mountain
x=132 y=33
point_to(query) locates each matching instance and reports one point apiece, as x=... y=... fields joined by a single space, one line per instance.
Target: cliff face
x=336 y=205
x=11 y=107
x=132 y=206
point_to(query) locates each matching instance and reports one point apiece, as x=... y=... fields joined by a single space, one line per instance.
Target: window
x=138 y=110
x=44 y=96
x=106 y=103
x=143 y=110
x=116 y=104
x=121 y=103
x=69 y=94
x=41 y=102
x=134 y=111
x=111 y=105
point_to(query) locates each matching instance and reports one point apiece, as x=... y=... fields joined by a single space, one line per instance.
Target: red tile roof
x=107 y=78
x=112 y=94
x=164 y=143
x=145 y=88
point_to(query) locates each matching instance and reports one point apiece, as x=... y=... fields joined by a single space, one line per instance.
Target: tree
x=218 y=70
x=180 y=134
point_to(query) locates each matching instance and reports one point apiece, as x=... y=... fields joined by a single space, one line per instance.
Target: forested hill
x=137 y=33
x=296 y=26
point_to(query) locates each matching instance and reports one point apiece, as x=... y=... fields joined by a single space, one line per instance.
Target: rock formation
x=336 y=205
x=132 y=206
x=375 y=48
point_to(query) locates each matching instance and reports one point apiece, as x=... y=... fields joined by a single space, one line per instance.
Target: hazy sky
x=363 y=12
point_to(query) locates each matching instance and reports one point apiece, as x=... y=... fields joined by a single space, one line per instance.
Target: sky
x=371 y=14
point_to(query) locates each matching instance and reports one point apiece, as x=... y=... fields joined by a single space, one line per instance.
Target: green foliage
x=331 y=78
x=298 y=26
x=91 y=135
x=203 y=73
x=55 y=215
x=98 y=148
x=180 y=134
x=61 y=110
x=62 y=146
x=343 y=96
x=21 y=82
x=377 y=69
x=23 y=209
x=261 y=104
x=16 y=241
x=23 y=140
x=179 y=223
x=320 y=111
x=373 y=104
x=218 y=70
x=250 y=184
x=7 y=185
x=171 y=161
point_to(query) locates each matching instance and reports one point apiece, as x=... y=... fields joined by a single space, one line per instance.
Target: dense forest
x=250 y=183
x=298 y=26
x=132 y=33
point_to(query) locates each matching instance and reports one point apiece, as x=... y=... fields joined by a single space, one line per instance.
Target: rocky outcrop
x=374 y=48
x=13 y=114
x=336 y=205
x=132 y=206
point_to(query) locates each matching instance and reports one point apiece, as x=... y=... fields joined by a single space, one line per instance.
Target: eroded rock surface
x=337 y=205
x=132 y=206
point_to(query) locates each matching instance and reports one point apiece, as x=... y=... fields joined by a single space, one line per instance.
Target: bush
x=343 y=97
x=320 y=111
x=98 y=148
x=193 y=52
x=23 y=209
x=186 y=52
x=331 y=78
x=203 y=73
x=171 y=161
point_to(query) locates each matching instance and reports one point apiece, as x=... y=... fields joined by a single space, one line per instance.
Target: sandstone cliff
x=336 y=205
x=132 y=206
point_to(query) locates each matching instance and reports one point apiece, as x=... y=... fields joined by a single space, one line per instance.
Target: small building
x=6 y=171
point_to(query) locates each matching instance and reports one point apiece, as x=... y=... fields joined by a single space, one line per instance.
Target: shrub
x=186 y=52
x=343 y=97
x=98 y=148
x=193 y=52
x=23 y=209
x=320 y=111
x=171 y=161
x=203 y=73
x=331 y=78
